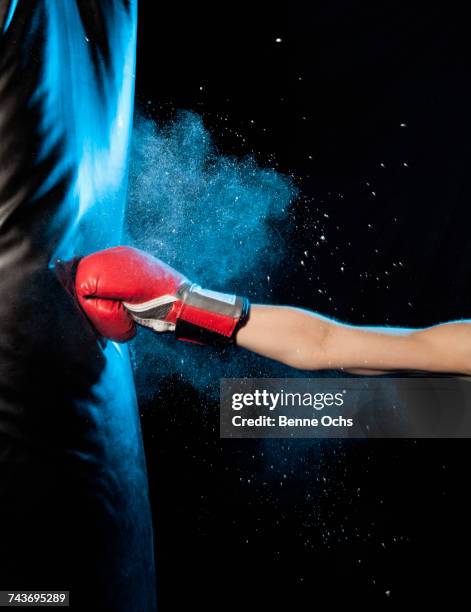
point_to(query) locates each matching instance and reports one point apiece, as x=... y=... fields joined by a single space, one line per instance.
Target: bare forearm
x=289 y=335
x=310 y=341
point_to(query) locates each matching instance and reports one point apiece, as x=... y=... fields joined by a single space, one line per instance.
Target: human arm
x=308 y=341
x=120 y=287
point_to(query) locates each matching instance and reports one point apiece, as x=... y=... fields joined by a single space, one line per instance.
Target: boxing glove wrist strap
x=209 y=317
x=195 y=314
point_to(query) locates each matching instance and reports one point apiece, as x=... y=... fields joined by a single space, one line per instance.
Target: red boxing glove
x=122 y=286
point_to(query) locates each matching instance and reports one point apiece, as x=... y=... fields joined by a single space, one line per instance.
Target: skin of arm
x=308 y=341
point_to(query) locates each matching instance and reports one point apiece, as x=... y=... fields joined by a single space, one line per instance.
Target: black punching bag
x=74 y=508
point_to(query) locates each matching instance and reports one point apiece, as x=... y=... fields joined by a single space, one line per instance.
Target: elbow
x=299 y=362
x=310 y=351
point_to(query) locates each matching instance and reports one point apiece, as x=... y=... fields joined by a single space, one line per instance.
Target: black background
x=385 y=522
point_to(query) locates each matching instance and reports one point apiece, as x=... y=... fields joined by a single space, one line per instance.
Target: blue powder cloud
x=215 y=218
x=223 y=222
